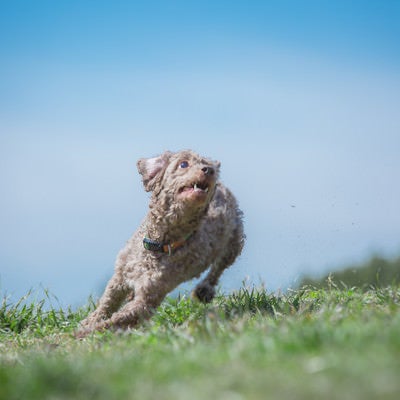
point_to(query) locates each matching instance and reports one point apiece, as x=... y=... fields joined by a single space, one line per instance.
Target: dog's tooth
x=206 y=190
x=195 y=186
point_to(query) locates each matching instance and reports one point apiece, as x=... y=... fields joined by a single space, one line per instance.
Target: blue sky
x=298 y=100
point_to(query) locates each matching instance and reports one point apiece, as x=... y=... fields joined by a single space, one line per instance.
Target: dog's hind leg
x=205 y=290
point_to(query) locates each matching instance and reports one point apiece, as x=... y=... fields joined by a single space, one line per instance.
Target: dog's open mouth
x=196 y=187
x=197 y=191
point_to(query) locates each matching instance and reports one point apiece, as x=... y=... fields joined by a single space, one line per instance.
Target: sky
x=298 y=100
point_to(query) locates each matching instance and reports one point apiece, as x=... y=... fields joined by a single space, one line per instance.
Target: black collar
x=166 y=248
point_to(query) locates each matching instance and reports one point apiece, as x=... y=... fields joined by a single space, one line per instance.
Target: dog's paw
x=204 y=292
x=89 y=329
x=81 y=333
x=85 y=323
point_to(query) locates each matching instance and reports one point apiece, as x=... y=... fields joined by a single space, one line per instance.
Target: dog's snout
x=208 y=170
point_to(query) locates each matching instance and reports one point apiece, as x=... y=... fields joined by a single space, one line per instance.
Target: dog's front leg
x=136 y=311
x=115 y=293
x=129 y=316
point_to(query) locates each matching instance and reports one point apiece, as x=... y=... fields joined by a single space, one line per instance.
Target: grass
x=305 y=344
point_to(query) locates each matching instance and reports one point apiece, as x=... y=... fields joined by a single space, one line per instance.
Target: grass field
x=305 y=344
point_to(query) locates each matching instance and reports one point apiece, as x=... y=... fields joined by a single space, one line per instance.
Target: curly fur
x=208 y=212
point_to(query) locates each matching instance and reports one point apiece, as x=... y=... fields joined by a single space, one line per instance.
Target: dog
x=193 y=223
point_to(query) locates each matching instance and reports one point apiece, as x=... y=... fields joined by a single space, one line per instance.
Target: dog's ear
x=152 y=169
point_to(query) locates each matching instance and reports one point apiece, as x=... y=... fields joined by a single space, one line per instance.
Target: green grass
x=305 y=344
x=378 y=272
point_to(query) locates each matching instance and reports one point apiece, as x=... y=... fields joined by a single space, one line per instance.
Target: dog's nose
x=208 y=170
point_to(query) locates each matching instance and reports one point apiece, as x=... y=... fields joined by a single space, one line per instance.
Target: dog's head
x=183 y=178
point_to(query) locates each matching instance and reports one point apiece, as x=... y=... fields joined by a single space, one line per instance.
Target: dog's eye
x=184 y=164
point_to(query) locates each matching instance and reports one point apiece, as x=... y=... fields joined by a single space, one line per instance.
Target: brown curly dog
x=193 y=223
